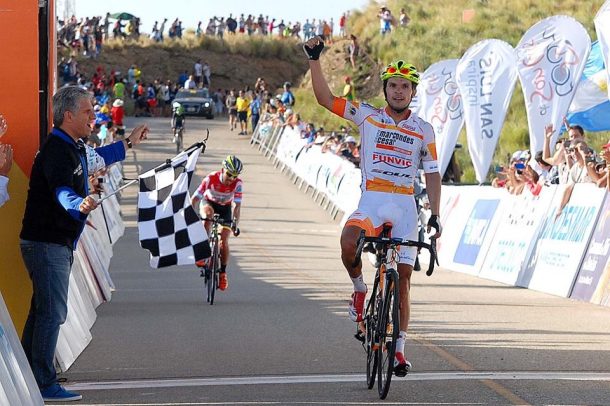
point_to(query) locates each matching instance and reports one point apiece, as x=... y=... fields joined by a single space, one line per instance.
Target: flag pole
x=200 y=144
x=117 y=191
x=104 y=213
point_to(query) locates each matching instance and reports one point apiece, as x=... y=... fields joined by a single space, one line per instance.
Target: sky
x=192 y=11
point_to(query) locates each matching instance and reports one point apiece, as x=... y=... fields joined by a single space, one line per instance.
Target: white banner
x=486 y=77
x=602 y=27
x=563 y=241
x=470 y=216
x=519 y=227
x=551 y=57
x=440 y=104
x=17 y=383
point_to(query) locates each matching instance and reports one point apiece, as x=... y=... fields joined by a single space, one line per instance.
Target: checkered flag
x=168 y=225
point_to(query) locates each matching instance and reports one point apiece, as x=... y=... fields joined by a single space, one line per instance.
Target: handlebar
x=231 y=224
x=398 y=241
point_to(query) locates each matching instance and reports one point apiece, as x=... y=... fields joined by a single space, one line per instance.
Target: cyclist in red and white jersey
x=394 y=141
x=221 y=192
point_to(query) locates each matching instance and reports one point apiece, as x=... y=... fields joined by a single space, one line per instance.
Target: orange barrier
x=19 y=104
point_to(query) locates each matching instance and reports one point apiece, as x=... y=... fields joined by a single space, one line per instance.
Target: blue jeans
x=49 y=267
x=254 y=118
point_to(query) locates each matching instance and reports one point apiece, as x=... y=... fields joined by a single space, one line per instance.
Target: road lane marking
x=467 y=368
x=339 y=378
x=280 y=403
x=284 y=230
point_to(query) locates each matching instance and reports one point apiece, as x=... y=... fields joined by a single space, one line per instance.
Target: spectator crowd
x=244 y=107
x=570 y=161
x=87 y=35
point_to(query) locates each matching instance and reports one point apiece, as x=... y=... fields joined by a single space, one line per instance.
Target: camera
x=519 y=166
x=590 y=158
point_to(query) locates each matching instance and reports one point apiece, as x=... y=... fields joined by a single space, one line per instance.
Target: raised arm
x=557 y=158
x=313 y=48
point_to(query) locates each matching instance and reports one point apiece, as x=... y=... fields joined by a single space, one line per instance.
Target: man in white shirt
x=190 y=83
x=198 y=68
x=207 y=75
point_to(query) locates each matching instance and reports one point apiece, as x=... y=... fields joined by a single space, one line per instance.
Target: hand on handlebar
x=235 y=229
x=435 y=223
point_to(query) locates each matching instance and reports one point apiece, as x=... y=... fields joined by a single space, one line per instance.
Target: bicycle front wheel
x=212 y=270
x=388 y=329
x=371 y=339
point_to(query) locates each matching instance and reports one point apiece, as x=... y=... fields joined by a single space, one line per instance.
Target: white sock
x=359 y=285
x=400 y=343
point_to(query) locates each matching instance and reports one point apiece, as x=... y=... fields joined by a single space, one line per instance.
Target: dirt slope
x=228 y=70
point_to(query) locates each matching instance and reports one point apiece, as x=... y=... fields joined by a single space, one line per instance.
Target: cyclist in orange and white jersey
x=217 y=194
x=394 y=141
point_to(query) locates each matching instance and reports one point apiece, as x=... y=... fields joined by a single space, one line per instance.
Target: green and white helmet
x=233 y=165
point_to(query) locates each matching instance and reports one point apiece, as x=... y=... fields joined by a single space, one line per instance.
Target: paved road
x=280 y=334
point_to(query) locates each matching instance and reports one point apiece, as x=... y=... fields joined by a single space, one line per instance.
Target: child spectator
x=117 y=112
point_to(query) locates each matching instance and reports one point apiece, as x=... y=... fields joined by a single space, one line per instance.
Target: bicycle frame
x=380 y=334
x=211 y=275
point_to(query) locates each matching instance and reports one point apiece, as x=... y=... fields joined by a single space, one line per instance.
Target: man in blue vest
x=56 y=210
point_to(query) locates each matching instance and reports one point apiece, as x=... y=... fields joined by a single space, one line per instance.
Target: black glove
x=435 y=223
x=314 y=53
x=235 y=229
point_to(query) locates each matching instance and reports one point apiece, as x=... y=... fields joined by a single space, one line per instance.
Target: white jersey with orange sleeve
x=390 y=152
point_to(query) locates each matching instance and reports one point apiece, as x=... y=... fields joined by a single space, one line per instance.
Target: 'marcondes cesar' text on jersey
x=390 y=152
x=214 y=190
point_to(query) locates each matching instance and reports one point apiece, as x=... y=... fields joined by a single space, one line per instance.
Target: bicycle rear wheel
x=388 y=329
x=371 y=340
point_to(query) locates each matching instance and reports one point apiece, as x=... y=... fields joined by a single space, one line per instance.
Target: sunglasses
x=232 y=175
x=404 y=71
